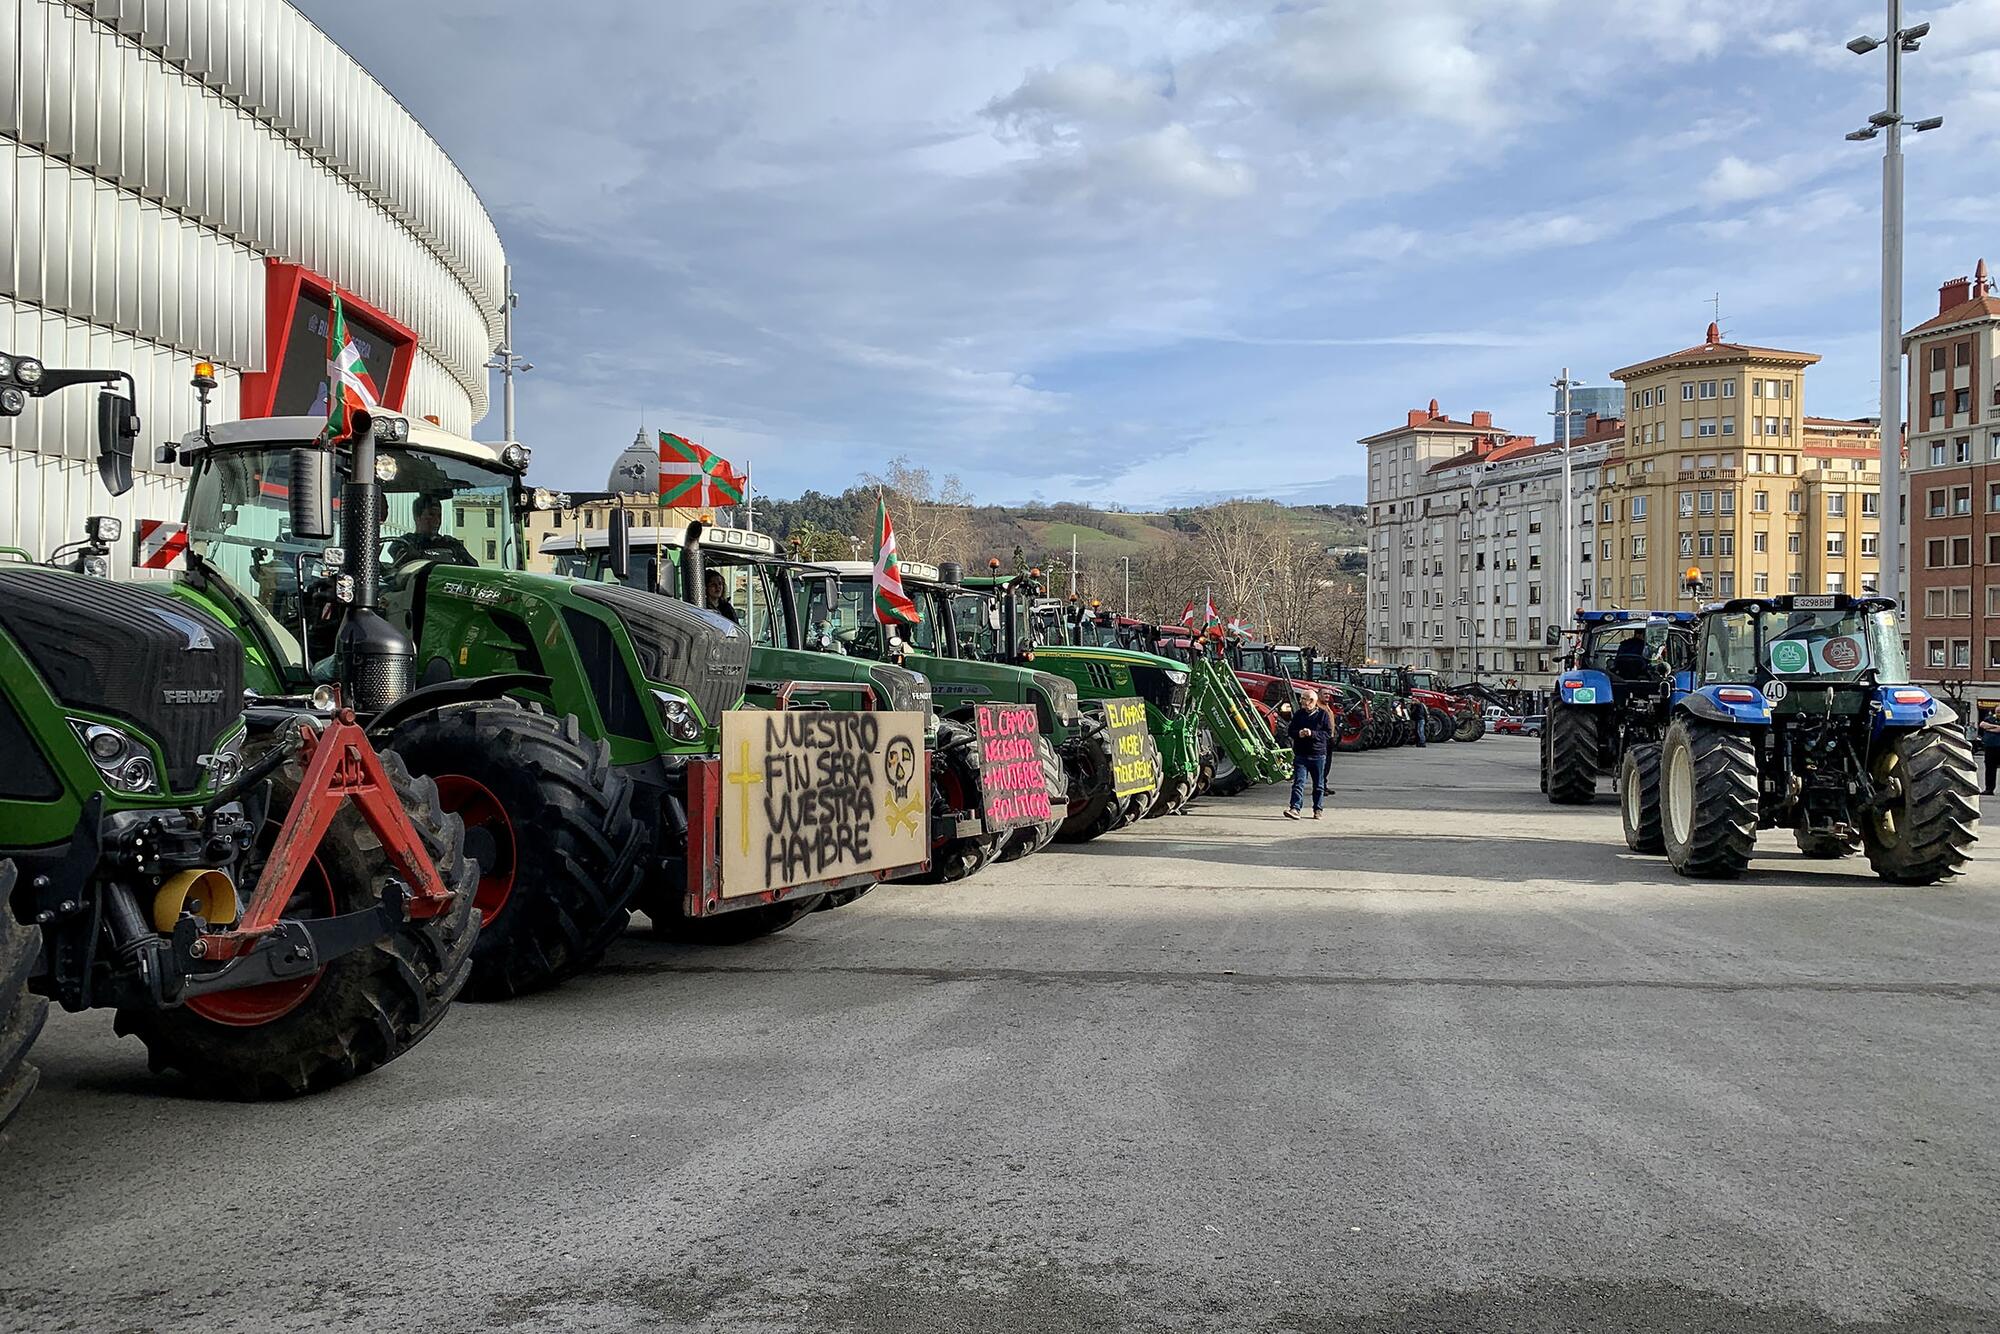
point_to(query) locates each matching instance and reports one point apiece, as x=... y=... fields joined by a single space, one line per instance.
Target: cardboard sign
x=813 y=794
x=1132 y=770
x=1015 y=785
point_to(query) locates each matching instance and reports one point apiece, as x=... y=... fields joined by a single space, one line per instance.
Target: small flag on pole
x=693 y=477
x=348 y=386
x=1187 y=617
x=892 y=605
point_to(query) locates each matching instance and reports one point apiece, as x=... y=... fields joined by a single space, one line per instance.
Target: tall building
x=1721 y=472
x=1953 y=485
x=188 y=182
x=1601 y=402
x=1466 y=544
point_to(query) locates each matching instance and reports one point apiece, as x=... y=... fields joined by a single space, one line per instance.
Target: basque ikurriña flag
x=892 y=605
x=348 y=386
x=691 y=476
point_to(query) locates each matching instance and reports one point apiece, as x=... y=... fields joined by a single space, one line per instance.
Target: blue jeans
x=1304 y=766
x=1422 y=715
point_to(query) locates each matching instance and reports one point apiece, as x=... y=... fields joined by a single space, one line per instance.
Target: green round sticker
x=1789 y=655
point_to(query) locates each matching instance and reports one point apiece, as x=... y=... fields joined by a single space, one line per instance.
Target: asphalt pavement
x=1450 y=1059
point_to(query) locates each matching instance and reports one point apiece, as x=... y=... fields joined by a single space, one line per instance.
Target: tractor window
x=1834 y=644
x=758 y=610
x=972 y=617
x=1293 y=662
x=1635 y=652
x=1729 y=648
x=862 y=633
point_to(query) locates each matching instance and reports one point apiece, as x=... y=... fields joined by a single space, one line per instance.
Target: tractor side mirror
x=311 y=495
x=117 y=432
x=620 y=533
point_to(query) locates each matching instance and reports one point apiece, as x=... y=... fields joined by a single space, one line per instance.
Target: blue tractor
x=1798 y=713
x=1611 y=697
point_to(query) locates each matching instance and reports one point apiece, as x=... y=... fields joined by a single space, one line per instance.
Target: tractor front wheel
x=364 y=1009
x=1471 y=727
x=1228 y=780
x=1572 y=755
x=1025 y=842
x=1708 y=781
x=1639 y=798
x=21 y=1012
x=1929 y=816
x=550 y=823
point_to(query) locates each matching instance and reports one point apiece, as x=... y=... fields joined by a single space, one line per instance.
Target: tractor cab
x=1827 y=653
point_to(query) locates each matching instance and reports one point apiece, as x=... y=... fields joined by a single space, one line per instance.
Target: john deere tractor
x=1799 y=714
x=269 y=905
x=781 y=604
x=1611 y=701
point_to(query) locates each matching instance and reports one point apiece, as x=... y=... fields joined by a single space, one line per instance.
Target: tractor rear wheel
x=1639 y=798
x=1092 y=794
x=1821 y=847
x=1471 y=727
x=551 y=825
x=21 y=1012
x=361 y=1010
x=1572 y=750
x=955 y=779
x=729 y=928
x=1438 y=726
x=1032 y=839
x=1930 y=815
x=1708 y=801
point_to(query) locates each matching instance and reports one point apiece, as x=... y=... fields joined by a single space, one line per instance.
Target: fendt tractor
x=1611 y=702
x=1242 y=752
x=1447 y=716
x=949 y=643
x=599 y=775
x=795 y=646
x=1389 y=716
x=269 y=905
x=1799 y=714
x=1293 y=664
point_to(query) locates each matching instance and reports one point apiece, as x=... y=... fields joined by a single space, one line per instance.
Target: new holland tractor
x=599 y=776
x=951 y=645
x=1799 y=714
x=1611 y=700
x=794 y=648
x=269 y=905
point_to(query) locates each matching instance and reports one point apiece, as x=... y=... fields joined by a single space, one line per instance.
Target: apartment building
x=1721 y=473
x=1466 y=540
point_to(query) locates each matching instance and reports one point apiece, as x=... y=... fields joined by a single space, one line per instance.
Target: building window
x=1728 y=543
x=1756 y=463
x=1708 y=389
x=1728 y=389
x=1792 y=582
x=1961 y=551
x=1934 y=652
x=1868 y=541
x=1687 y=390
x=1961 y=401
x=1937 y=357
x=1687 y=463
x=1871 y=503
x=1687 y=428
x=1760 y=583
x=1604 y=548
x=1992 y=548
x=1725 y=584
x=1934 y=554
x=1961 y=602
x=1935 y=498
x=1836 y=544
x=1784 y=389
x=1686 y=503
x=1707 y=544
x=1795 y=502
x=1728 y=425
x=1707 y=503
x=1760 y=542
x=1993 y=599
x=1836 y=583
x=1961 y=500
x=1605 y=511
x=1726 y=501
x=1937 y=453
x=1638 y=547
x=1708 y=426
x=1961 y=652
x=1993 y=653
x=1792 y=543
x=1638 y=588
x=1756 y=389
x=1937 y=405
x=1836 y=504
x=1961 y=449
x=1638 y=508
x=1760 y=502
x=1934 y=602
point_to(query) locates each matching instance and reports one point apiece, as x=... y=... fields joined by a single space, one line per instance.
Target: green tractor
x=269 y=905
x=950 y=644
x=1246 y=752
x=780 y=604
x=598 y=778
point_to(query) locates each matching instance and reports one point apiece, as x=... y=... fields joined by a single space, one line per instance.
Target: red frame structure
x=283 y=284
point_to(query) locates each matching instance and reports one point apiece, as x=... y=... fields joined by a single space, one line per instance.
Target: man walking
x=1422 y=714
x=1989 y=741
x=1311 y=731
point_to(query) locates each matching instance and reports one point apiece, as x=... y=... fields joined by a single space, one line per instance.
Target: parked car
x=1519 y=725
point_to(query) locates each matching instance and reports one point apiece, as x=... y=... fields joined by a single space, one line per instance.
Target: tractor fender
x=1584 y=687
x=444 y=694
x=1730 y=705
x=1908 y=706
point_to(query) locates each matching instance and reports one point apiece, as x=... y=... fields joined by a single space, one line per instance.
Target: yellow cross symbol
x=903 y=814
x=743 y=778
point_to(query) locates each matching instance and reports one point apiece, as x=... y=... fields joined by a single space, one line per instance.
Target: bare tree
x=933 y=518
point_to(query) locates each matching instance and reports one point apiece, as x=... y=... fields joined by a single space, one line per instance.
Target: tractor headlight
x=27 y=371
x=678 y=716
x=120 y=759
x=516 y=457
x=12 y=401
x=97 y=567
x=6 y=368
x=391 y=431
x=225 y=766
x=386 y=466
x=1177 y=678
x=103 y=529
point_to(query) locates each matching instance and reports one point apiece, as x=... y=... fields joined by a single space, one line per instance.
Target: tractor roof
x=741 y=539
x=256 y=431
x=1615 y=617
x=914 y=571
x=1790 y=602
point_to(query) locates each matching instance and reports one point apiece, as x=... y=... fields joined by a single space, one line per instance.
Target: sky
x=1146 y=252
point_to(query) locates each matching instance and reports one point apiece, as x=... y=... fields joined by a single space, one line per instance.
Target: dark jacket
x=1311 y=731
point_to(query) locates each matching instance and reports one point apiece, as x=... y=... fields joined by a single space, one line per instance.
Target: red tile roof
x=1985 y=306
x=1715 y=354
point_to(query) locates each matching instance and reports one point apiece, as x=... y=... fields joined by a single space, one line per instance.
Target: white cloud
x=1735 y=180
x=1051 y=103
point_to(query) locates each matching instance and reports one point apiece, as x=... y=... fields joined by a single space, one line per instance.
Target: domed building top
x=637 y=468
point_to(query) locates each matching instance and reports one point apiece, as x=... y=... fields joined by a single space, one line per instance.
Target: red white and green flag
x=1238 y=628
x=892 y=605
x=1187 y=617
x=693 y=477
x=1211 y=618
x=348 y=385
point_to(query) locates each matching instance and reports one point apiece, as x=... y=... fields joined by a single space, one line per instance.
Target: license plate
x=1814 y=602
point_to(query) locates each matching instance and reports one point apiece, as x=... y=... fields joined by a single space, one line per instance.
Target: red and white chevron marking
x=159 y=545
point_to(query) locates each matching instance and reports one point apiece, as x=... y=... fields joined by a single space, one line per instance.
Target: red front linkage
x=340 y=765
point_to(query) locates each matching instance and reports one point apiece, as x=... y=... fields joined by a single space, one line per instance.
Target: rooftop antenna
x=1715 y=305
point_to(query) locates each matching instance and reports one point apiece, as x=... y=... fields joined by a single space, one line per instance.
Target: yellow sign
x=1132 y=769
x=816 y=794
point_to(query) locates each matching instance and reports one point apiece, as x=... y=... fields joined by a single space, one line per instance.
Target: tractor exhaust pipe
x=691 y=571
x=376 y=663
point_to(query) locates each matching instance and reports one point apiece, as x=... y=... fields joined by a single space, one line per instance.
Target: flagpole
x=750 y=497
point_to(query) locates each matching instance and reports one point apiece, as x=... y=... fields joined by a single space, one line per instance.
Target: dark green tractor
x=269 y=905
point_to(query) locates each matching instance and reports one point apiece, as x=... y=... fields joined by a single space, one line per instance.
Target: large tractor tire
x=363 y=1009
x=551 y=824
x=1229 y=781
x=1708 y=799
x=955 y=776
x=1639 y=798
x=1033 y=838
x=1094 y=809
x=1931 y=813
x=21 y=1012
x=729 y=928
x=1471 y=727
x=1438 y=726
x=1821 y=847
x=1572 y=750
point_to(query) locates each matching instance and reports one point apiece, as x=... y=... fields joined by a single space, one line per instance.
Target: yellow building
x=1722 y=472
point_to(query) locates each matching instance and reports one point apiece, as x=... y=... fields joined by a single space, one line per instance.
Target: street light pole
x=1563 y=433
x=1900 y=40
x=503 y=358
